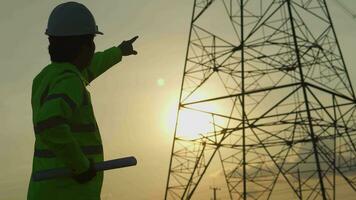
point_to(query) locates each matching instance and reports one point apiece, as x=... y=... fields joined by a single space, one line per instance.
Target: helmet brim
x=49 y=34
x=99 y=33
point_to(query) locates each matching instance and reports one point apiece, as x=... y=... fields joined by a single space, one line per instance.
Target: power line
x=346 y=9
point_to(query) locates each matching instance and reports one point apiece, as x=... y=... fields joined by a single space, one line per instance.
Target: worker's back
x=63 y=118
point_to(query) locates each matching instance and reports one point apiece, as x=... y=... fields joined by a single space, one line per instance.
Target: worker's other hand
x=127 y=48
x=87 y=175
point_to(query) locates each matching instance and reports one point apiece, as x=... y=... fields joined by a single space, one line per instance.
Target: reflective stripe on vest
x=49 y=123
x=87 y=150
x=56 y=121
x=68 y=100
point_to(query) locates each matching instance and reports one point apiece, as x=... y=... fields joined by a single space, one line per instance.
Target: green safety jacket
x=66 y=131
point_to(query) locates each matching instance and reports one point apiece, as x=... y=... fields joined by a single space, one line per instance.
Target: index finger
x=133 y=39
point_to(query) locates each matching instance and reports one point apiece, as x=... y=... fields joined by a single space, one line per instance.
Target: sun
x=192 y=122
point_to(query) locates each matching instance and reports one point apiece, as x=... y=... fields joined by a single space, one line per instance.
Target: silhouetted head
x=78 y=50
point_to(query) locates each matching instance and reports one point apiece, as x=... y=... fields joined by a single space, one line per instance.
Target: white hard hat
x=71 y=19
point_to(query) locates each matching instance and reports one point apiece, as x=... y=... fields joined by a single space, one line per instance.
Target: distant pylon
x=267 y=99
x=214 y=192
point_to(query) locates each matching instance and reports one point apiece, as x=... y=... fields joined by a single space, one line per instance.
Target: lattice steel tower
x=266 y=104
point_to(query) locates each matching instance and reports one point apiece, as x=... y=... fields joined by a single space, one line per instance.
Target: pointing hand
x=127 y=48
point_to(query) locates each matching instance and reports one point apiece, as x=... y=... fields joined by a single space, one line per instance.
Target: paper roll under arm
x=65 y=172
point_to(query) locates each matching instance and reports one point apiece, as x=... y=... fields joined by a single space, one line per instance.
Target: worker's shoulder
x=54 y=73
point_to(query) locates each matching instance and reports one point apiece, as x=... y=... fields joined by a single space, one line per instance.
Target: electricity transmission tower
x=266 y=104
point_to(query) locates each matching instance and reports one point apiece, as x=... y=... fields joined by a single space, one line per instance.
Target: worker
x=66 y=132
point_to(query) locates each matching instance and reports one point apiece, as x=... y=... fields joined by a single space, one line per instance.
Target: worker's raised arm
x=103 y=61
x=52 y=122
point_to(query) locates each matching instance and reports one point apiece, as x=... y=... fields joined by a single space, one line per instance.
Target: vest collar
x=70 y=66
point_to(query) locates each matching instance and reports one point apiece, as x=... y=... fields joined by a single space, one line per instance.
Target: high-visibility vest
x=66 y=131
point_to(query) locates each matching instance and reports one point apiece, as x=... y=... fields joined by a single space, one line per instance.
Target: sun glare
x=192 y=123
x=161 y=82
